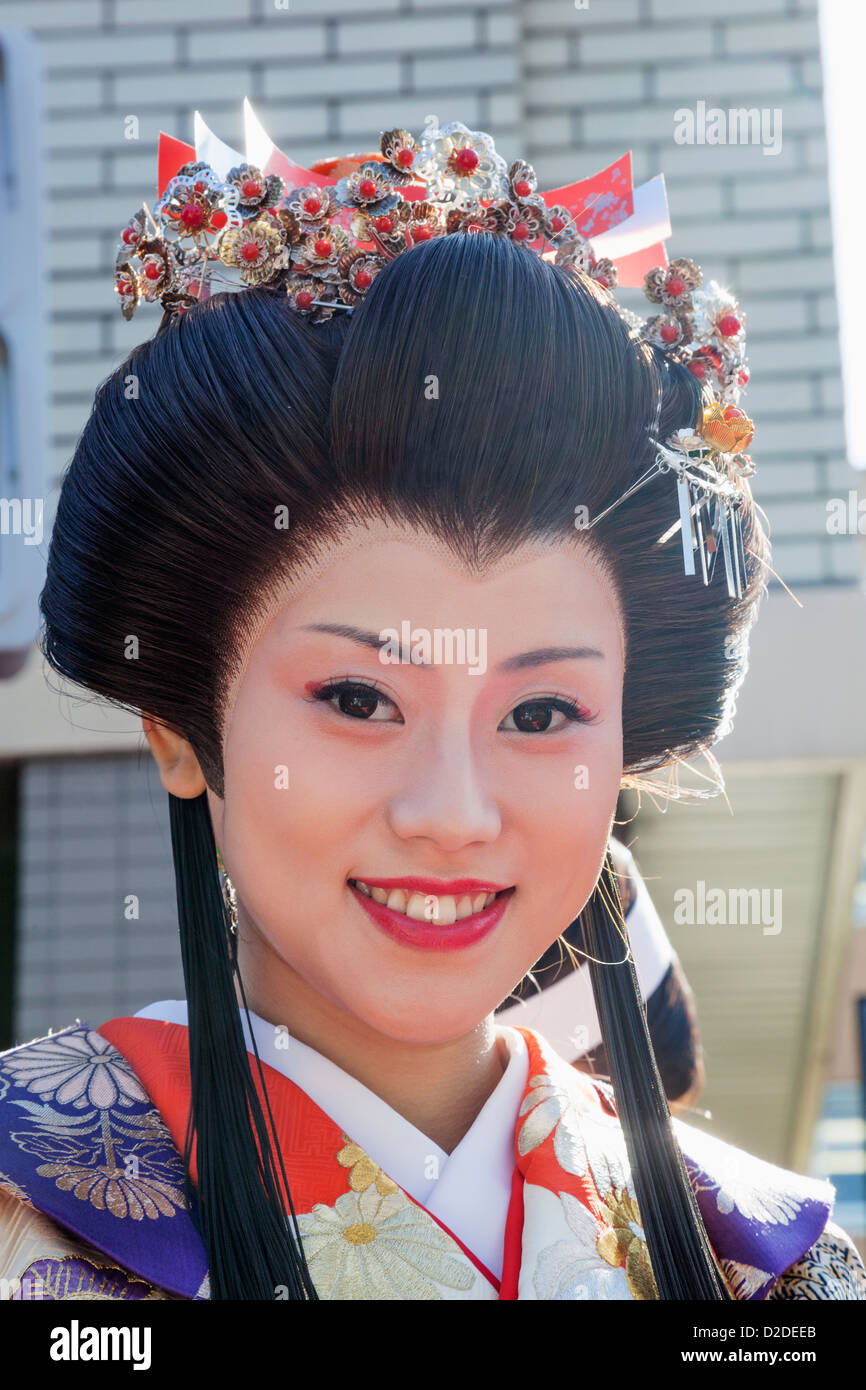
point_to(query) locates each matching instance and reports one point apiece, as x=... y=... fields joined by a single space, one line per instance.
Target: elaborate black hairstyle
x=165 y=530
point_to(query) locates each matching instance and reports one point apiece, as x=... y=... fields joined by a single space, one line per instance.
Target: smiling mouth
x=446 y=908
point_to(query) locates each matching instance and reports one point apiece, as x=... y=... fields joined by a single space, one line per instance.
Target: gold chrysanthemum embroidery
x=623 y=1242
x=74 y=1277
x=109 y=1188
x=363 y=1172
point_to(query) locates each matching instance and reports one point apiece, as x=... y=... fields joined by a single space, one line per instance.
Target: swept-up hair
x=164 y=530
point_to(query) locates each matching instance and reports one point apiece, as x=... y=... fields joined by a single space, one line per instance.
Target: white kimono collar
x=468 y=1190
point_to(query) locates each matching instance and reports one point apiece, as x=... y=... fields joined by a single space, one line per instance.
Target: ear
x=178 y=765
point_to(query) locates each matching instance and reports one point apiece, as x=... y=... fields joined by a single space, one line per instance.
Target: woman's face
x=495 y=758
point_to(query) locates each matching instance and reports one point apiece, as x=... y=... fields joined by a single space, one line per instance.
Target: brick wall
x=599 y=80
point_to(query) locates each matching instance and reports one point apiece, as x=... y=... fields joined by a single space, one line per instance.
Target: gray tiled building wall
x=97 y=921
x=568 y=88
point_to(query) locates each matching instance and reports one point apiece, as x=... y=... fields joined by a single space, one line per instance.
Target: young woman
x=262 y=497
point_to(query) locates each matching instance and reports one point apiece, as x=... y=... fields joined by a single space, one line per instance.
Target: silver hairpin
x=699 y=484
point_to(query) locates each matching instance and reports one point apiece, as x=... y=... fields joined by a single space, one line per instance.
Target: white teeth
x=444 y=911
x=415 y=907
x=448 y=909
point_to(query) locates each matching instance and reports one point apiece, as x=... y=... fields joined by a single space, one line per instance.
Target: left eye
x=534 y=716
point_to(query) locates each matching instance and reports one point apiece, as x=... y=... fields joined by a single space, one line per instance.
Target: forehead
x=379 y=548
x=381 y=572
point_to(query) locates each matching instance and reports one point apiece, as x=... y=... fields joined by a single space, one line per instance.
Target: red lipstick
x=428 y=936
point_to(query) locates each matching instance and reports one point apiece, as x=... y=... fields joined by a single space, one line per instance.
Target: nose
x=443 y=797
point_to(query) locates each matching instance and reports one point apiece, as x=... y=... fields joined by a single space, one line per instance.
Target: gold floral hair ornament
x=322 y=235
x=324 y=243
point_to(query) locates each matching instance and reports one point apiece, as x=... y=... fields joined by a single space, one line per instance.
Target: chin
x=420 y=1025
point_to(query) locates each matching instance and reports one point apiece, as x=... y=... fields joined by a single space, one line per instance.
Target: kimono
x=536 y=1202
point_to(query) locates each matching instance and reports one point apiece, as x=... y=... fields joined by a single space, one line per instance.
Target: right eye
x=356 y=699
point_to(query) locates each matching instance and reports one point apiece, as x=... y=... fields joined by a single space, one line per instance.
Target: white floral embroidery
x=740 y=1182
x=73 y=1069
x=561 y=1260
x=585 y=1139
x=369 y=1246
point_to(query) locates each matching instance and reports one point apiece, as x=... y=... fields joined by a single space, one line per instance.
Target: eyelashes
x=574 y=714
x=360 y=700
x=360 y=693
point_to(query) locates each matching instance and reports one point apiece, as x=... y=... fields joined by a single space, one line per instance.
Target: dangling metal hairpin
x=709 y=501
x=709 y=506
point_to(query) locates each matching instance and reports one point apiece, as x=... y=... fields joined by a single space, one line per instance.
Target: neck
x=440 y=1087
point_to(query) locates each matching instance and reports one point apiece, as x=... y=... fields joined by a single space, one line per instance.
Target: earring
x=230 y=897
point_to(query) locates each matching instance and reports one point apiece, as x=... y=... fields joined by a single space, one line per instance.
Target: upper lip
x=443 y=887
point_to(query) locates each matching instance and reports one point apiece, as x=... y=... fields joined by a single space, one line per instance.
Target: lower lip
x=426 y=935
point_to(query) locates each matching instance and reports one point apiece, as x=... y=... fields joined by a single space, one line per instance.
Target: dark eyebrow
x=540 y=656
